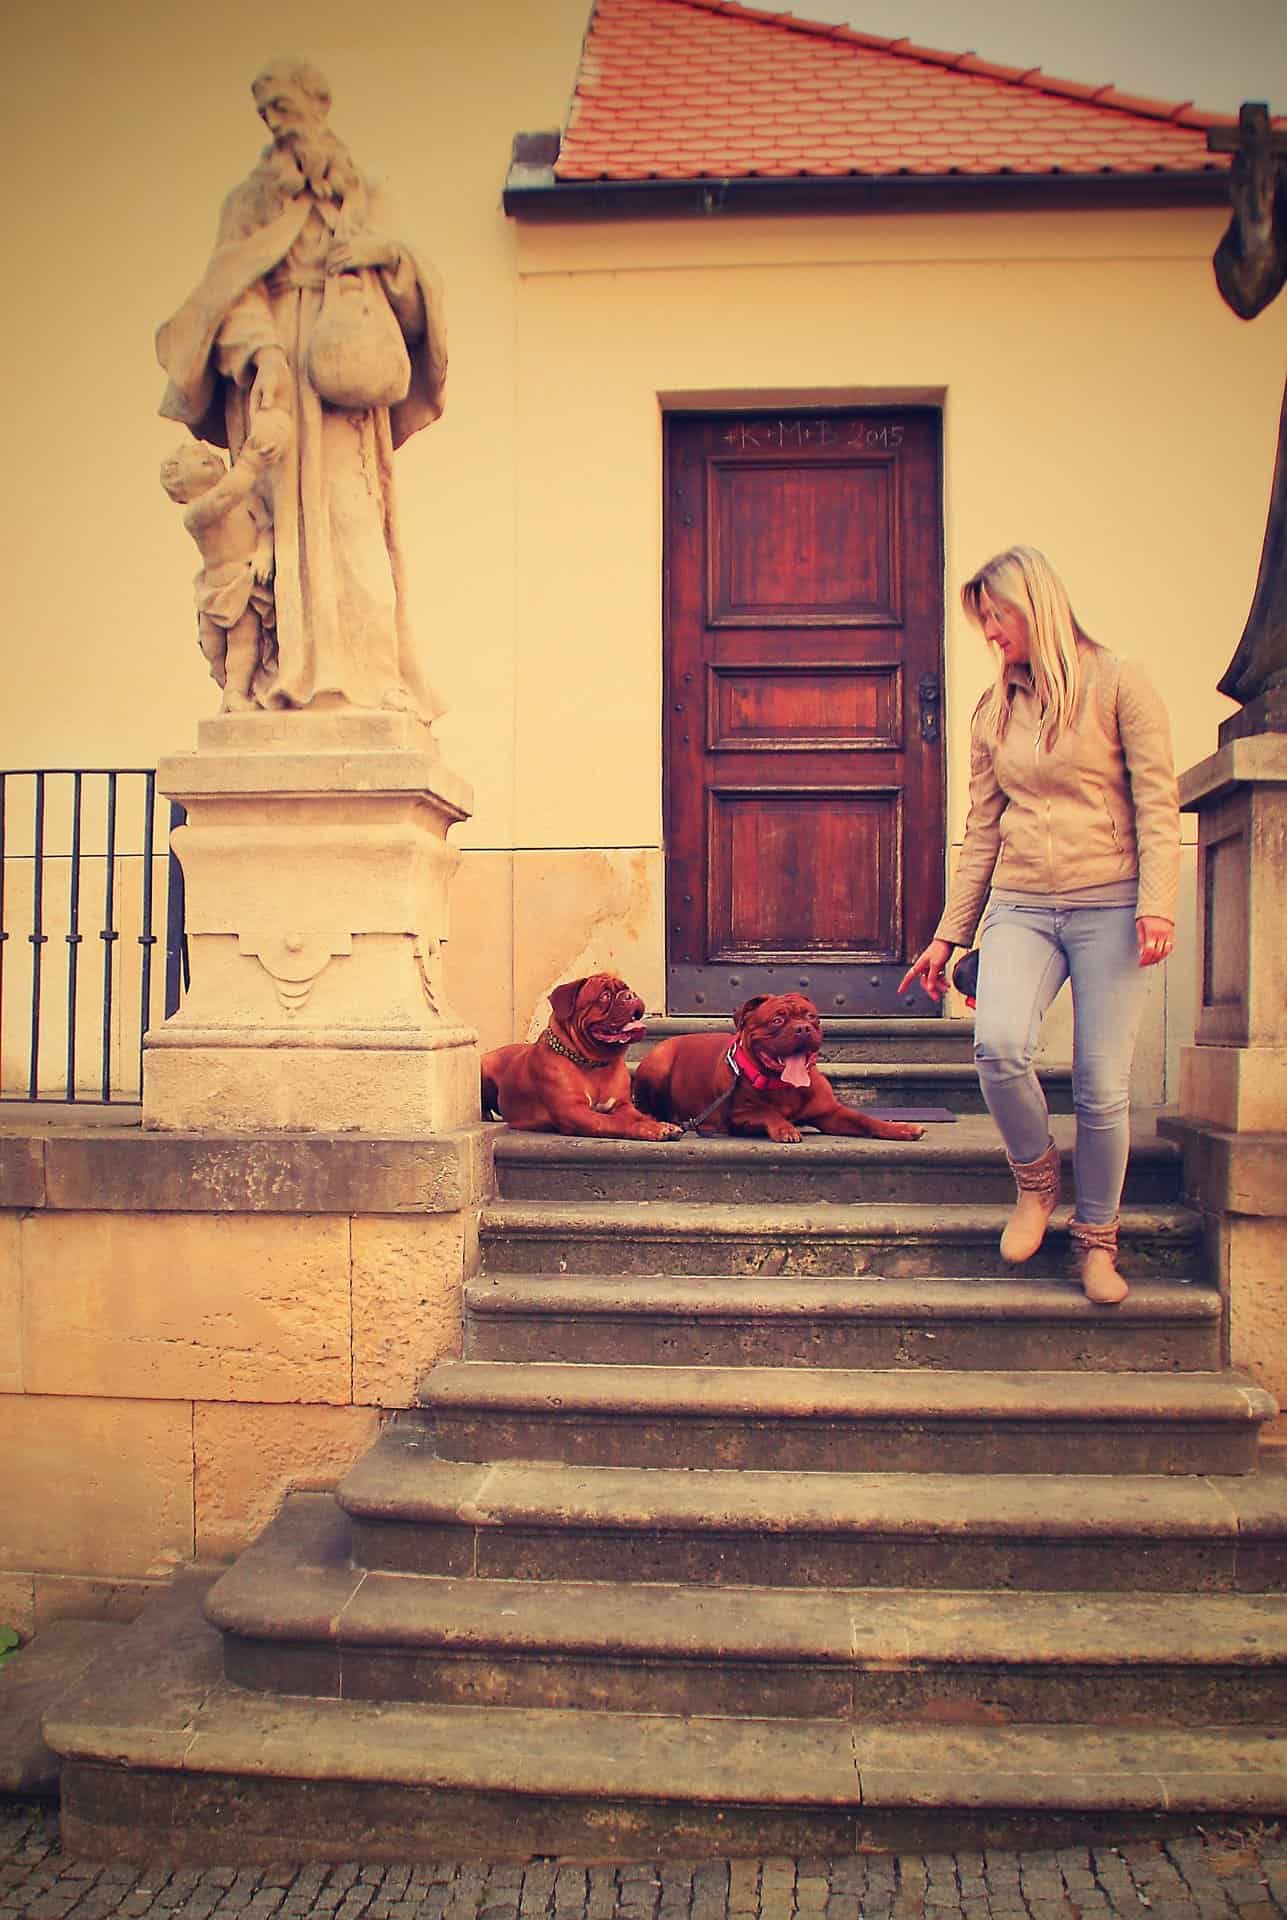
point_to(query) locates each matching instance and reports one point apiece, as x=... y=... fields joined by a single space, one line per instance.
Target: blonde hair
x=1025 y=580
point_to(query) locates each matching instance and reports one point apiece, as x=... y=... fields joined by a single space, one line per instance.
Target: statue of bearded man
x=308 y=305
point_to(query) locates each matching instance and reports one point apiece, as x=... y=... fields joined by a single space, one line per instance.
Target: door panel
x=790 y=546
x=776 y=709
x=803 y=621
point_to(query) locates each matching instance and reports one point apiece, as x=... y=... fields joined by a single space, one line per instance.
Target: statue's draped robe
x=341 y=624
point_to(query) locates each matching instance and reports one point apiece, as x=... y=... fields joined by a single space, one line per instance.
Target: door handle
x=931 y=695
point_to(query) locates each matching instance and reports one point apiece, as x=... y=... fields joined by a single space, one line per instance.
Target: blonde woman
x=1073 y=830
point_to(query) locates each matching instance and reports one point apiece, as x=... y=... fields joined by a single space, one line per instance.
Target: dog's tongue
x=624 y=1035
x=795 y=1070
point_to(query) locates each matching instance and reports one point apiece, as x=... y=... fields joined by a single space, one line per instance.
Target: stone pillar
x=316 y=871
x=1233 y=1080
x=1235 y=1075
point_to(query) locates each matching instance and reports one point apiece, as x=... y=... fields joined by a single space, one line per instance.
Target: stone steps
x=831 y=1419
x=299 y=1617
x=902 y=1042
x=656 y=1320
x=952 y=1084
x=901 y=1241
x=898 y=1063
x=763 y=1514
x=958 y=1162
x=188 y=1768
x=529 y=1520
x=29 y=1684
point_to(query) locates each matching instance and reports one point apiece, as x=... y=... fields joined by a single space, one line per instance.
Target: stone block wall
x=192 y=1327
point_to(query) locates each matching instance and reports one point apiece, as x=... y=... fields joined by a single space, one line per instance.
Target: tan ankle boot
x=1038 y=1184
x=1096 y=1251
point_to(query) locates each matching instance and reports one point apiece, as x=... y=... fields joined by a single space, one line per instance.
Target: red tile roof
x=694 y=89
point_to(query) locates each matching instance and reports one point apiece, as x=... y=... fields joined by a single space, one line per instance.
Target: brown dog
x=574 y=1079
x=768 y=1074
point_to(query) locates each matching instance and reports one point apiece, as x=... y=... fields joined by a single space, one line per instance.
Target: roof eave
x=533 y=193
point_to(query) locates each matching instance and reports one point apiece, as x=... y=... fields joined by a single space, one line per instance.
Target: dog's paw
x=784 y=1134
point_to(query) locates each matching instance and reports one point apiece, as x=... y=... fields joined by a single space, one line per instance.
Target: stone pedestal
x=1232 y=1121
x=1235 y=1075
x=316 y=871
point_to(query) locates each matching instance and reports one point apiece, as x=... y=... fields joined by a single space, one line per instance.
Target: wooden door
x=803 y=741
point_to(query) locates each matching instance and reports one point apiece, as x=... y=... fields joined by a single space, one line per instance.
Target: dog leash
x=691 y=1126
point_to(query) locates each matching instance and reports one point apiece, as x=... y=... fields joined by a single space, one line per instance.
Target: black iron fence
x=88 y=891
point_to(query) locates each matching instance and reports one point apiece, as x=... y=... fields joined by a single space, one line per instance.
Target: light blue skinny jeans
x=1025 y=955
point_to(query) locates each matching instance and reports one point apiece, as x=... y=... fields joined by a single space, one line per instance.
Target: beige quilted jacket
x=1101 y=806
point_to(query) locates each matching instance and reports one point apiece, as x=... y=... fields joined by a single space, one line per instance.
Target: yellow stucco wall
x=1098 y=400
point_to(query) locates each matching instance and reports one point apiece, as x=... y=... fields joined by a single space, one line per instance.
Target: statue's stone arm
x=185 y=343
x=246 y=332
x=402 y=289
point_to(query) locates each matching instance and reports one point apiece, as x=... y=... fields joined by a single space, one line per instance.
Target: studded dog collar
x=577 y=1059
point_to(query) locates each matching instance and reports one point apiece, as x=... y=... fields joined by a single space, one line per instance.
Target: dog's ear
x=749 y=1006
x=563 y=999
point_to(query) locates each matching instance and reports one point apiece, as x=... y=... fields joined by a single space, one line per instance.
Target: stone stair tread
x=400 y=1479
x=297 y=1583
x=964 y=1144
x=159 y=1705
x=948 y=1072
x=836 y=1393
x=712 y=1219
x=838 y=1026
x=721 y=1296
x=30 y=1683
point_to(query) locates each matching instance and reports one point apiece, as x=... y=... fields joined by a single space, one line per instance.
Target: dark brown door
x=803 y=750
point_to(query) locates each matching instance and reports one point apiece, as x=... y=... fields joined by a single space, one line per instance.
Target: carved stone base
x=1240 y=797
x=1241 y=1088
x=212 y=1087
x=1238 y=1181
x=1232 y=1121
x=1267 y=713
x=316 y=872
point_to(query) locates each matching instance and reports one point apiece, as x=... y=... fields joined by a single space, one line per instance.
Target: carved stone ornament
x=428 y=954
x=293 y=960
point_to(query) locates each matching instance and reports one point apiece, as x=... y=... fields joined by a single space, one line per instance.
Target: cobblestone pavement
x=1216 y=1875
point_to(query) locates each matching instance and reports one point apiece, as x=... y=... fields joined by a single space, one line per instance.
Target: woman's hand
x=1156 y=938
x=928 y=969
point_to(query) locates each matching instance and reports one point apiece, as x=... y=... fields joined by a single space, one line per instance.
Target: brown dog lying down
x=769 y=1069
x=574 y=1079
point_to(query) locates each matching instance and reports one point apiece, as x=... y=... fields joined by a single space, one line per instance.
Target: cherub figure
x=229 y=518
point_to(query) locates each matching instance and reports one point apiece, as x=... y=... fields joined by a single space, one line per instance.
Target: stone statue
x=308 y=305
x=1250 y=268
x=229 y=518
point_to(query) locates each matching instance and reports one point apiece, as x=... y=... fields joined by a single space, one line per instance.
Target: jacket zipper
x=1050 y=838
